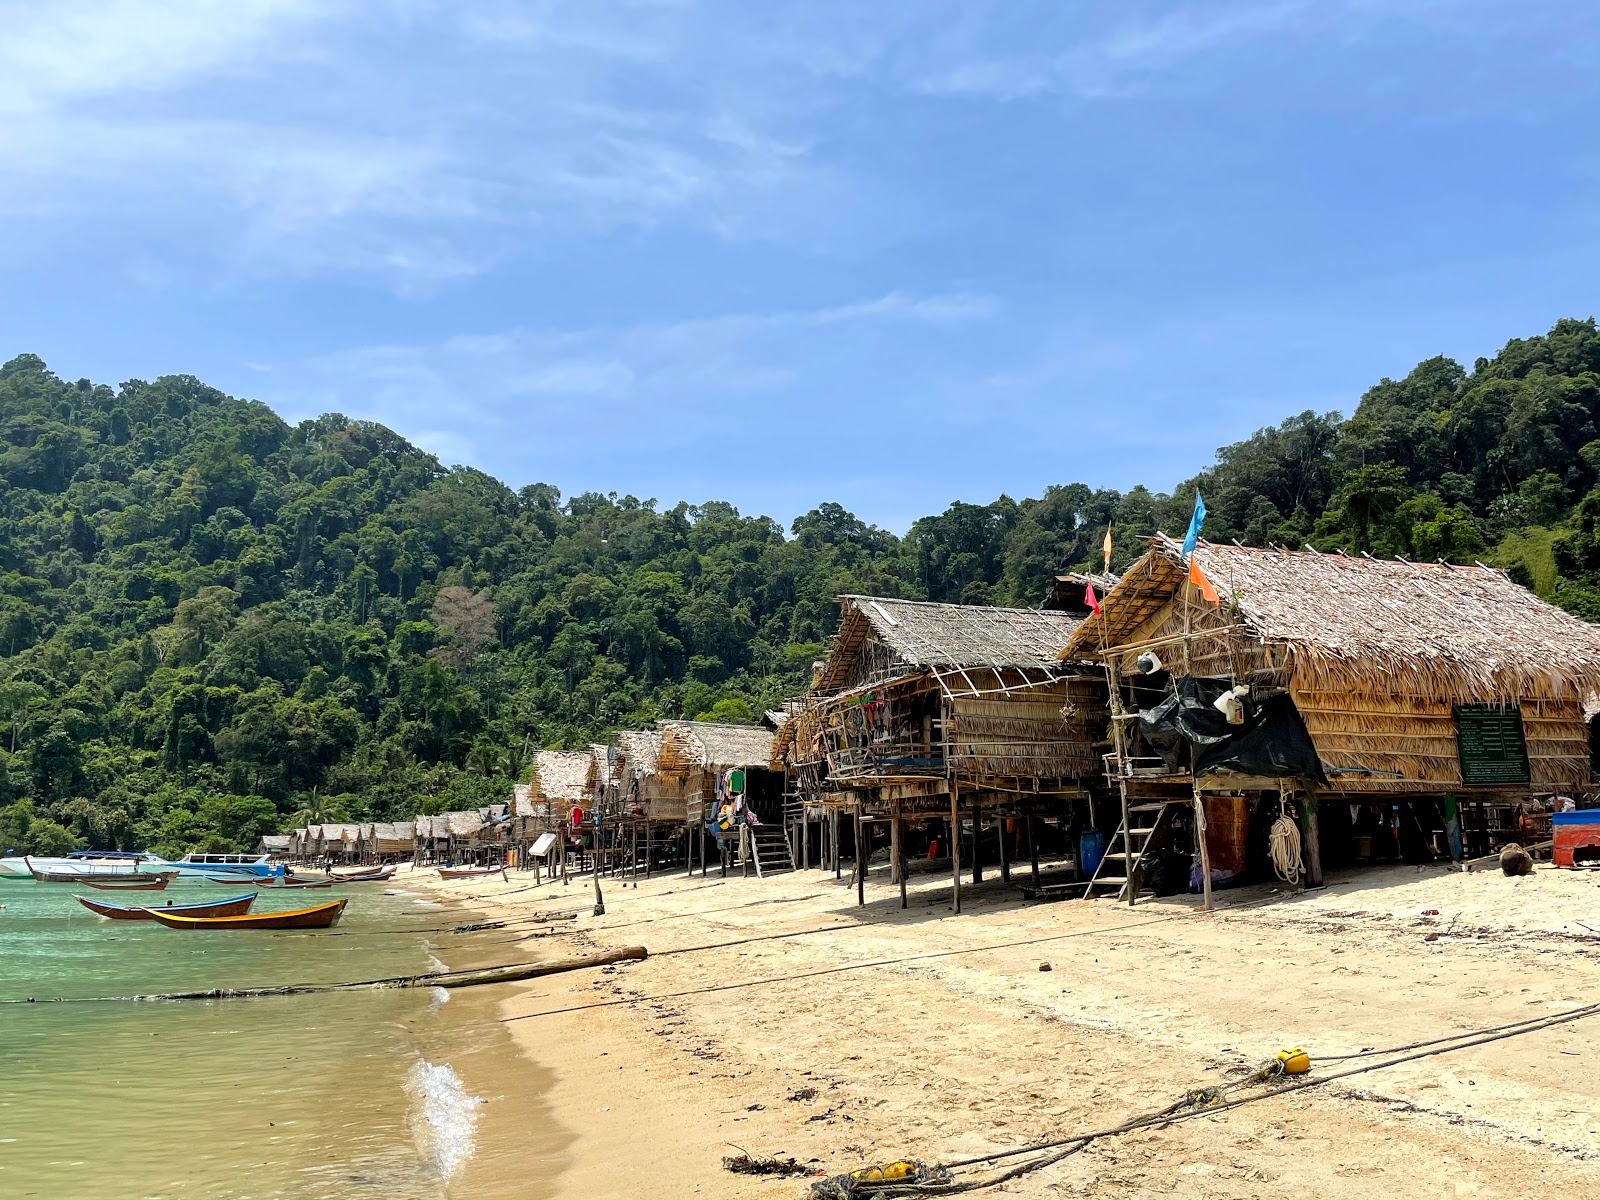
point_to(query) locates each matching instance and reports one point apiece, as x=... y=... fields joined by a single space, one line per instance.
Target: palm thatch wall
x=1375 y=653
x=693 y=753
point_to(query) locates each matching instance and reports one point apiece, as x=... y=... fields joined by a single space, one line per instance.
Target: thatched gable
x=880 y=639
x=1418 y=628
x=564 y=776
x=709 y=746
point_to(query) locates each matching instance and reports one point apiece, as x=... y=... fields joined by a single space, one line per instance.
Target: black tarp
x=1187 y=731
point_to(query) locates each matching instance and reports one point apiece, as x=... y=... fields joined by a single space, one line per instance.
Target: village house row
x=1201 y=721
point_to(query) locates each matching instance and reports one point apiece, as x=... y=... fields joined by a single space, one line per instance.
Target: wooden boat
x=469 y=872
x=113 y=884
x=319 y=916
x=376 y=875
x=289 y=885
x=125 y=878
x=234 y=906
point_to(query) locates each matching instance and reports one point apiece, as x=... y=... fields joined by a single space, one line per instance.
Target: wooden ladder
x=770 y=850
x=1149 y=822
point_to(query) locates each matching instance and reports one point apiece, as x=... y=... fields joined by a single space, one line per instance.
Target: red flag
x=1091 y=599
x=1198 y=578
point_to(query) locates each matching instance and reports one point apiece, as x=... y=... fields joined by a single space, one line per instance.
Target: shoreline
x=777 y=1017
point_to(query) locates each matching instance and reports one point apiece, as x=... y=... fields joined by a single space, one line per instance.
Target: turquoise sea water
x=337 y=1095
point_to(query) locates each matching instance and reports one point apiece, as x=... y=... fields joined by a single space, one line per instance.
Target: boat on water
x=277 y=885
x=469 y=872
x=130 y=883
x=374 y=875
x=159 y=879
x=81 y=862
x=246 y=868
x=319 y=916
x=234 y=906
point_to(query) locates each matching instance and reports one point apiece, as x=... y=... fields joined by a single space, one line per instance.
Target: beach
x=776 y=1017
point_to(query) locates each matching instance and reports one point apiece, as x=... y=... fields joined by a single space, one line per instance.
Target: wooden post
x=1311 y=839
x=1005 y=854
x=648 y=828
x=833 y=840
x=633 y=856
x=861 y=859
x=897 y=851
x=1205 y=853
x=1033 y=850
x=895 y=823
x=977 y=844
x=744 y=851
x=955 y=844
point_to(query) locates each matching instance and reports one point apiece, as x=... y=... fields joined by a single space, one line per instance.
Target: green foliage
x=214 y=624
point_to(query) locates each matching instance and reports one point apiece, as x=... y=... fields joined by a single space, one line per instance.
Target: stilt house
x=959 y=712
x=1375 y=700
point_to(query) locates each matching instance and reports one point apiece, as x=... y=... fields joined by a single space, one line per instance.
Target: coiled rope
x=1283 y=845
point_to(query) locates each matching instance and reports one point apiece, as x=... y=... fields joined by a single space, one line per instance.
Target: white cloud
x=74 y=49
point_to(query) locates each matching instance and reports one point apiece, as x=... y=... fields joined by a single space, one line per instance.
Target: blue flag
x=1193 y=536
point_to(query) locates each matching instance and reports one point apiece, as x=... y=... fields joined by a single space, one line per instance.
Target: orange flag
x=1198 y=578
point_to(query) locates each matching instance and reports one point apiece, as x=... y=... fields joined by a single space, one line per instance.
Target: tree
x=466 y=618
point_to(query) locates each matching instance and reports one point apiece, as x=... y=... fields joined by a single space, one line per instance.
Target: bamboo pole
x=1205 y=853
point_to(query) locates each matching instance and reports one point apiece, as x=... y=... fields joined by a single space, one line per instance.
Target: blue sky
x=892 y=254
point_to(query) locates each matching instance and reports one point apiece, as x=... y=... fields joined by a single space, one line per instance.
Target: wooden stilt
x=897 y=851
x=955 y=846
x=1005 y=852
x=1311 y=839
x=1033 y=849
x=861 y=860
x=833 y=840
x=977 y=844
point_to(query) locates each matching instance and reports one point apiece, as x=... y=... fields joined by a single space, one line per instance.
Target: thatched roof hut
x=914 y=694
x=276 y=845
x=1388 y=662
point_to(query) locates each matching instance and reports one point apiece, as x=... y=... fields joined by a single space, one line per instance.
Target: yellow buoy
x=1295 y=1061
x=900 y=1169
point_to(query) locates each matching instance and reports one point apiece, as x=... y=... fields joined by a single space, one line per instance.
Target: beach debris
x=805 y=1093
x=903 y=1172
x=1044 y=966
x=745 y=1163
x=1514 y=860
x=1430 y=912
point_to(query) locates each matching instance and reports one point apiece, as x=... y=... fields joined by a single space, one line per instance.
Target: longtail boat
x=469 y=872
x=317 y=917
x=290 y=885
x=124 y=885
x=234 y=906
x=376 y=875
x=125 y=877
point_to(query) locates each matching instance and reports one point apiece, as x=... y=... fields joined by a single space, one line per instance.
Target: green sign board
x=1490 y=744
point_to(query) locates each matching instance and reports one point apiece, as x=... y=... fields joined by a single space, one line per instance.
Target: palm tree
x=313 y=810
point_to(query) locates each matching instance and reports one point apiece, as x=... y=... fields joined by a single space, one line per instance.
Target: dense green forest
x=214 y=624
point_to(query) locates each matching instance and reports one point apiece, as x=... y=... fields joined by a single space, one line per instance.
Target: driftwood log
x=444 y=979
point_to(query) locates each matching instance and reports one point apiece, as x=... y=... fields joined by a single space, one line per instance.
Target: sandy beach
x=778 y=1017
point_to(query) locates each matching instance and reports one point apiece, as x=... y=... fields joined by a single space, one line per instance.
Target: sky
x=891 y=254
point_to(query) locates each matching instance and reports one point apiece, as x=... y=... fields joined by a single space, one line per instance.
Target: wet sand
x=838 y=1045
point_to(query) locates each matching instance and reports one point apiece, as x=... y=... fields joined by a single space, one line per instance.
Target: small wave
x=441 y=997
x=446 y=1116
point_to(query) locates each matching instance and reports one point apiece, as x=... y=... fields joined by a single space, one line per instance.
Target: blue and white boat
x=248 y=867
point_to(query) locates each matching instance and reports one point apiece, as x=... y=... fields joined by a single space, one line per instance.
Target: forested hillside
x=213 y=624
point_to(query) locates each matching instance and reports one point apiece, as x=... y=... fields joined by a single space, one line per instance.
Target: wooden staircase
x=770 y=850
x=1149 y=822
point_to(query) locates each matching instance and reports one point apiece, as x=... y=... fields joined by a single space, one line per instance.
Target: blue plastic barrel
x=1091 y=849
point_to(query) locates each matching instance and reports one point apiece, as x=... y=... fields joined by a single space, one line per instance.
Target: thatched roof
x=273 y=843
x=1445 y=630
x=458 y=824
x=717 y=747
x=926 y=635
x=1067 y=591
x=563 y=775
x=640 y=750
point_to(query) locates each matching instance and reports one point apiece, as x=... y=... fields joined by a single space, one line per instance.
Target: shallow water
x=327 y=1096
